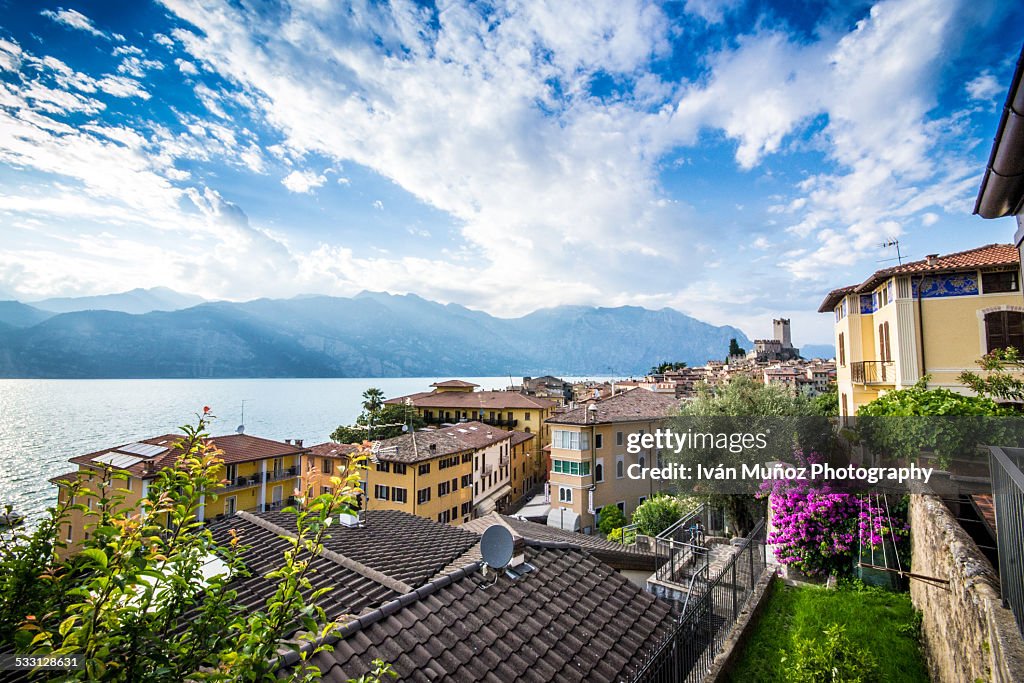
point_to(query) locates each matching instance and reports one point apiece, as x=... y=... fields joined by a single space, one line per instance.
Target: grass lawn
x=883 y=622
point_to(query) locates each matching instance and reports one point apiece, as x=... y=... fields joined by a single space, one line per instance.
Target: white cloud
x=303 y=182
x=74 y=19
x=712 y=11
x=378 y=204
x=985 y=87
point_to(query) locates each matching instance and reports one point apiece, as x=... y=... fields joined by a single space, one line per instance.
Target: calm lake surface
x=45 y=422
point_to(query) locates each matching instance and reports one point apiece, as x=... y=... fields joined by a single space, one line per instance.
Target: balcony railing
x=257 y=479
x=438 y=420
x=873 y=372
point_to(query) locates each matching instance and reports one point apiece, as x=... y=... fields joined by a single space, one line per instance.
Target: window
x=399 y=495
x=885 y=337
x=573 y=467
x=844 y=408
x=444 y=517
x=527 y=418
x=564 y=494
x=444 y=488
x=642 y=499
x=842 y=349
x=325 y=490
x=230 y=473
x=622 y=506
x=467 y=507
x=992 y=283
x=455 y=512
x=328 y=466
x=1004 y=329
x=230 y=505
x=423 y=495
x=380 y=492
x=467 y=457
x=599 y=441
x=599 y=471
x=467 y=480
x=69 y=536
x=642 y=461
x=424 y=468
x=572 y=441
x=399 y=468
x=383 y=467
x=620 y=466
x=618 y=438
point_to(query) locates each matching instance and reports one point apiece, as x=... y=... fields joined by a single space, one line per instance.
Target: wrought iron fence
x=687 y=652
x=1008 y=498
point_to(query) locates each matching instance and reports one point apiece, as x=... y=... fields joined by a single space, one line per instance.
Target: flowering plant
x=818 y=527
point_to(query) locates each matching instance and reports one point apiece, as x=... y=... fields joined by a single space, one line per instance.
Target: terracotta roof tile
x=475 y=400
x=455 y=383
x=433 y=443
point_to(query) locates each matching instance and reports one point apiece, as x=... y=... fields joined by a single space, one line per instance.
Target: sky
x=732 y=159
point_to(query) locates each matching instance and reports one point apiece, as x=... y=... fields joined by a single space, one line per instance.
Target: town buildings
x=260 y=474
x=935 y=317
x=589 y=460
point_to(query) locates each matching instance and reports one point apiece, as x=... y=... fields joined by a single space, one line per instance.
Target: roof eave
x=1002 y=193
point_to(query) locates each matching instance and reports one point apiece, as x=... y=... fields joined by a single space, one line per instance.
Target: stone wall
x=968 y=635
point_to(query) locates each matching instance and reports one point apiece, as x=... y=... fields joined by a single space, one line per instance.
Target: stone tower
x=781 y=326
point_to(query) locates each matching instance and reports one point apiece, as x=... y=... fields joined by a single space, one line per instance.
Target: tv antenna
x=892 y=242
x=241 y=427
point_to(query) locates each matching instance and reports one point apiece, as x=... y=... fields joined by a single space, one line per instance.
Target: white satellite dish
x=497 y=546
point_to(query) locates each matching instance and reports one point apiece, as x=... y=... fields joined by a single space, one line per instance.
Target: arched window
x=642 y=461
x=599 y=472
x=1004 y=329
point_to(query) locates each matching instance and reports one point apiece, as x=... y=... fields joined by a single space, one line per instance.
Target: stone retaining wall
x=968 y=635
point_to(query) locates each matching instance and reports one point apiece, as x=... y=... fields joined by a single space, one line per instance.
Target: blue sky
x=731 y=159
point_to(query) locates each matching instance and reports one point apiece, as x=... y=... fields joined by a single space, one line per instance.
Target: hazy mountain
x=818 y=351
x=134 y=301
x=17 y=314
x=369 y=335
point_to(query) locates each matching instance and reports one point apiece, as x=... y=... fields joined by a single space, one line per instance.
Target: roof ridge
x=334 y=556
x=372 y=617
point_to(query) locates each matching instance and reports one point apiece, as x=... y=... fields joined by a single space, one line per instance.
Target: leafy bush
x=610 y=519
x=656 y=514
x=378 y=421
x=832 y=658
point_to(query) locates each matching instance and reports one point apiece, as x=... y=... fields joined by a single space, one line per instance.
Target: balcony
x=438 y=420
x=873 y=372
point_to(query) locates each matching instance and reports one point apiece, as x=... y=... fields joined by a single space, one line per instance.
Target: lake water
x=45 y=422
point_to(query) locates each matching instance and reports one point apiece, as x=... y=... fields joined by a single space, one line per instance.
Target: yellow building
x=449 y=475
x=936 y=316
x=261 y=474
x=589 y=461
x=529 y=466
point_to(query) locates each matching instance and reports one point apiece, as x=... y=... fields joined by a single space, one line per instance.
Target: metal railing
x=687 y=653
x=873 y=372
x=679 y=531
x=1008 y=497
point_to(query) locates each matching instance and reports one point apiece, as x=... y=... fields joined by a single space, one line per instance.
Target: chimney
x=288 y=441
x=930 y=259
x=298 y=443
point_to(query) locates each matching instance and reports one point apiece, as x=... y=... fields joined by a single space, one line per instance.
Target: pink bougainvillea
x=819 y=528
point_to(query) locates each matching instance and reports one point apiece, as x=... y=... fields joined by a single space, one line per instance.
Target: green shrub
x=834 y=658
x=610 y=519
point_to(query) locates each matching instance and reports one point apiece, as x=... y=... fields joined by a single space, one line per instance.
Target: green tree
x=610 y=519
x=656 y=514
x=387 y=422
x=137 y=603
x=1002 y=379
x=373 y=400
x=745 y=406
x=667 y=366
x=735 y=349
x=826 y=404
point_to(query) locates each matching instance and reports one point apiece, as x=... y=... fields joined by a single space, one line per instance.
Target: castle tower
x=781 y=326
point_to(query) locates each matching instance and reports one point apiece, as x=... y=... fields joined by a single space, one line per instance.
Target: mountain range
x=370 y=335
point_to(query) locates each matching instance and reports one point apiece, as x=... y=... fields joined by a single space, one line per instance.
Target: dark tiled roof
x=614 y=554
x=404 y=547
x=475 y=400
x=988 y=256
x=520 y=437
x=433 y=443
x=571 y=619
x=352 y=592
x=629 y=406
x=330 y=449
x=234 y=448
